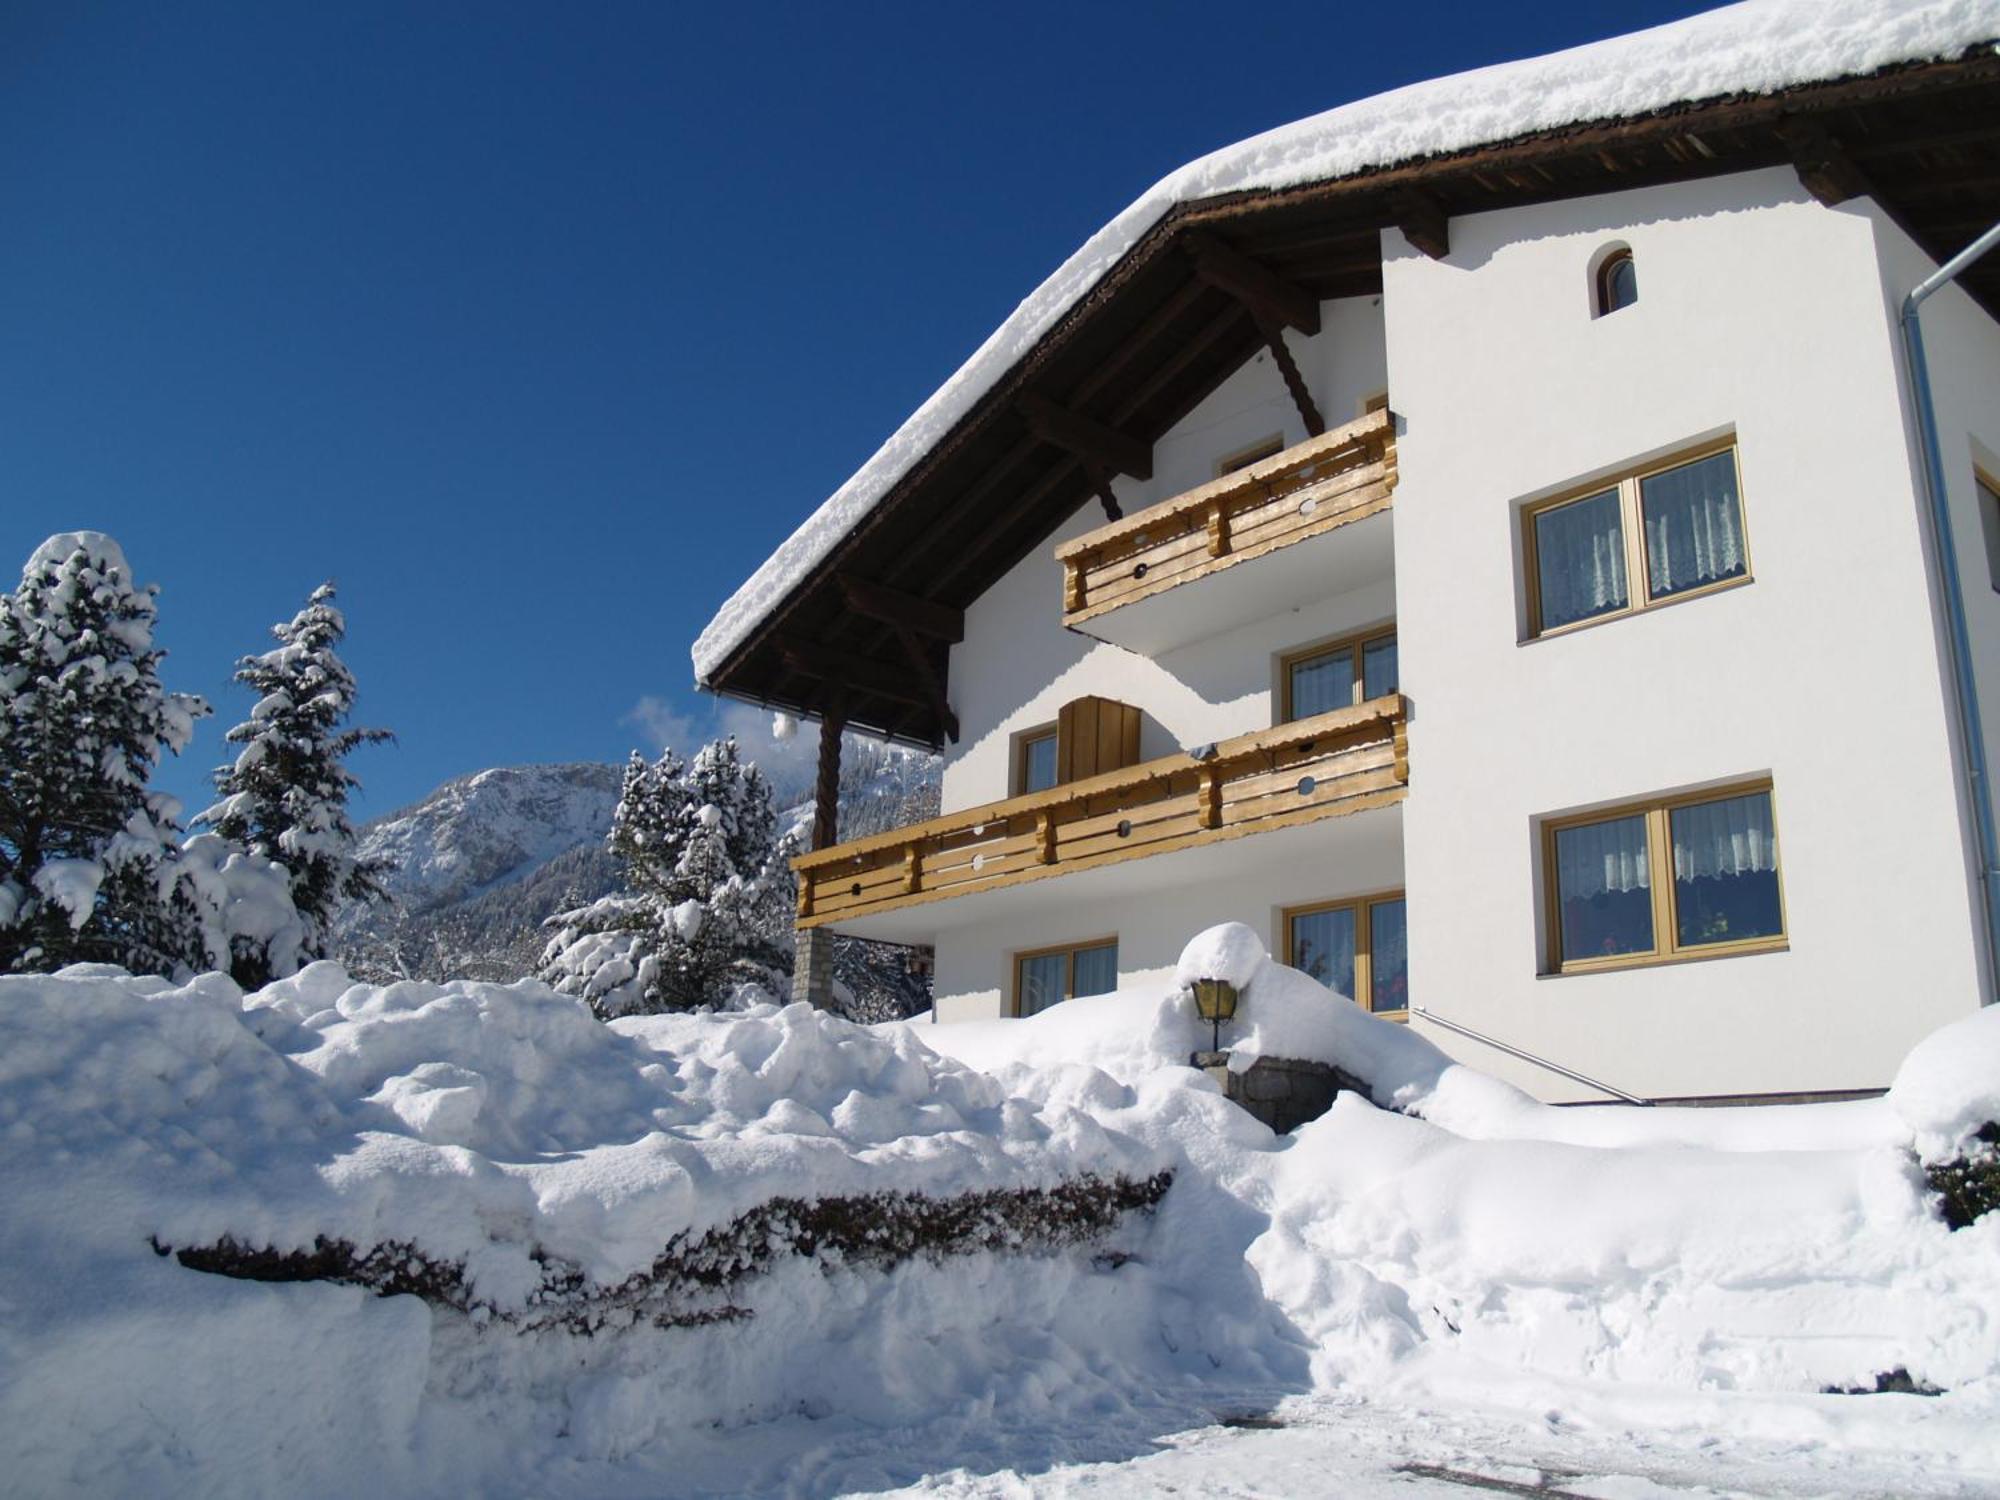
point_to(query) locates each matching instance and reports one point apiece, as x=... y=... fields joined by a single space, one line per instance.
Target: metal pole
x=1958 y=637
x=1541 y=1062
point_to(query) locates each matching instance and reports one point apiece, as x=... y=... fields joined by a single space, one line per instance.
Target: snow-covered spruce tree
x=284 y=797
x=708 y=895
x=89 y=865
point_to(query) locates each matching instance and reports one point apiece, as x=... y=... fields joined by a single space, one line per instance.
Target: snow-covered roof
x=1758 y=47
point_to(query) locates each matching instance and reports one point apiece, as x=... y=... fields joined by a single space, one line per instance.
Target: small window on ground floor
x=1049 y=976
x=1681 y=877
x=1357 y=947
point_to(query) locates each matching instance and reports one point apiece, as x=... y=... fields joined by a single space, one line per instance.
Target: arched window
x=1617 y=281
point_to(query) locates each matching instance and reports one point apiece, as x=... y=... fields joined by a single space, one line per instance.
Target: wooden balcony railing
x=1322 y=483
x=1335 y=763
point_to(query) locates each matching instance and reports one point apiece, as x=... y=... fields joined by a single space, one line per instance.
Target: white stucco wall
x=1760 y=312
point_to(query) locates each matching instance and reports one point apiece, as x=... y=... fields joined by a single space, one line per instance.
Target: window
x=1035 y=761
x=1989 y=521
x=1051 y=975
x=1256 y=452
x=1678 y=877
x=1617 y=281
x=1357 y=948
x=1322 y=678
x=1635 y=541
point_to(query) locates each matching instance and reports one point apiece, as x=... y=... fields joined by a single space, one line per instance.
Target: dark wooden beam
x=1825 y=170
x=1423 y=221
x=834 y=667
x=1281 y=355
x=1268 y=295
x=1075 y=433
x=927 y=678
x=940 y=622
x=1100 y=480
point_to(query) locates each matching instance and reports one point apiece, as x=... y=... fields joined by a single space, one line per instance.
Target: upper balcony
x=1316 y=514
x=1342 y=762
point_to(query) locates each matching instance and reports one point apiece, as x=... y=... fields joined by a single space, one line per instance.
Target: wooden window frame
x=1601 y=281
x=1022 y=740
x=1356 y=642
x=1070 y=951
x=1363 y=908
x=1268 y=446
x=1986 y=494
x=1666 y=947
x=1631 y=520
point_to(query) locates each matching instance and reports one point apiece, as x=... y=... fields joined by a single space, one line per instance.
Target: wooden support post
x=1218 y=530
x=913 y=869
x=812 y=947
x=1074 y=594
x=1211 y=795
x=1045 y=832
x=826 y=783
x=1402 y=750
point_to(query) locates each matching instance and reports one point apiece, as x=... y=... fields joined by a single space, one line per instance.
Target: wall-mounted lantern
x=1215 y=1002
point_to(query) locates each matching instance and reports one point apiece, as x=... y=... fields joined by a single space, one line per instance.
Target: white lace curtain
x=1580 y=554
x=1734 y=836
x=1600 y=857
x=1694 y=526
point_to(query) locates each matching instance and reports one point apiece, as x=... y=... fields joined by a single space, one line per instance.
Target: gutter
x=1958 y=637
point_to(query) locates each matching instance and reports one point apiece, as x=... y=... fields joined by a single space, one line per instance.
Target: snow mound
x=1759 y=47
x=1450 y=1236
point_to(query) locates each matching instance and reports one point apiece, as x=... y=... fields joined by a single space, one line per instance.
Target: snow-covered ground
x=1450 y=1283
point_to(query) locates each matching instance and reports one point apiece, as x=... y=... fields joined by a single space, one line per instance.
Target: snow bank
x=1451 y=1235
x=1759 y=47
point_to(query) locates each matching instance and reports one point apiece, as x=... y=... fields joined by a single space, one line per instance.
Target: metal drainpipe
x=1971 y=733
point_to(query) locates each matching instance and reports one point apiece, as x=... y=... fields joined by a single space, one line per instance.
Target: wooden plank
x=1378 y=714
x=1345 y=807
x=1354 y=437
x=1100 y=604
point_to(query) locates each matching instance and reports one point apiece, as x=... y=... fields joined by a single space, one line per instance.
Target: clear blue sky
x=537 y=326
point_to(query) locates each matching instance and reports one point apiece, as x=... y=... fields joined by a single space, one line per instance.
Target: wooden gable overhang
x=869 y=629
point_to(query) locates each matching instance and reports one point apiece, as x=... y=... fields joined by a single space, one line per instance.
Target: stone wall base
x=1283 y=1092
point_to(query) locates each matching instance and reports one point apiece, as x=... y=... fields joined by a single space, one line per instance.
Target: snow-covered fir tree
x=284 y=797
x=708 y=898
x=89 y=858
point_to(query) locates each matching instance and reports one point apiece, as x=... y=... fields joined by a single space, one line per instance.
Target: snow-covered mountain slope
x=475 y=868
x=489 y=829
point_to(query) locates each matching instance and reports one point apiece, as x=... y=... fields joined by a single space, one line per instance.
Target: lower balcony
x=1332 y=765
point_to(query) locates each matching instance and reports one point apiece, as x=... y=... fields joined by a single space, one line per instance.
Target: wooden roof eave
x=1362 y=204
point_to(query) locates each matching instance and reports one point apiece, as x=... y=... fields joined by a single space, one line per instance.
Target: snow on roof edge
x=1756 y=47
